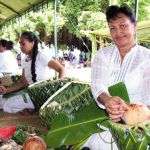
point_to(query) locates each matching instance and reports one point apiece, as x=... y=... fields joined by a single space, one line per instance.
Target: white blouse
x=43 y=72
x=8 y=63
x=134 y=71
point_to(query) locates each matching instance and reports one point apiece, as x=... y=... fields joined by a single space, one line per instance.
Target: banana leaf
x=39 y=92
x=120 y=90
x=131 y=137
x=81 y=125
x=72 y=115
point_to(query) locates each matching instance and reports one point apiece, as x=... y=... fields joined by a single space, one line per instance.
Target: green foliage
x=143 y=33
x=24 y=131
x=91 y=20
x=76 y=15
x=19 y=136
x=143 y=10
x=73 y=10
x=32 y=21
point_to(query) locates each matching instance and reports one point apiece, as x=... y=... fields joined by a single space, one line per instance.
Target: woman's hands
x=20 y=84
x=114 y=105
x=3 y=90
x=115 y=108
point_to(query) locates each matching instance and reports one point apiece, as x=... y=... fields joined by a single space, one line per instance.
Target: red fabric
x=7 y=132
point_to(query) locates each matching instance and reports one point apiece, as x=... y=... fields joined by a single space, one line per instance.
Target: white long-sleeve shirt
x=134 y=71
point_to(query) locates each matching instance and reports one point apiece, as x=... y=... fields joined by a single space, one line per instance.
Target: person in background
x=125 y=61
x=37 y=65
x=8 y=62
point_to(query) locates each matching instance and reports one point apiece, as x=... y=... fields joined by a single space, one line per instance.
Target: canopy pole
x=55 y=27
x=136 y=16
x=136 y=9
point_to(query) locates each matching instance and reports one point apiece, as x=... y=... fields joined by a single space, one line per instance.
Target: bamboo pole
x=55 y=27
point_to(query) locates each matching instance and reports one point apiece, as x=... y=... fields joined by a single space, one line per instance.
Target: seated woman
x=37 y=65
x=8 y=62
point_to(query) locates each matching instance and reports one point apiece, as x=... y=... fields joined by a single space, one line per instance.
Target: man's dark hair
x=113 y=11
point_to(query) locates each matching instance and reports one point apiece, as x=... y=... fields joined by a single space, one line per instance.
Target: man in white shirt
x=125 y=61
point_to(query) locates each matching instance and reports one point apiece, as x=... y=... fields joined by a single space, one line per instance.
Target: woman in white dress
x=37 y=64
x=124 y=61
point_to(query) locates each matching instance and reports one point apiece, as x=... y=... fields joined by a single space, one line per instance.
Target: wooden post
x=94 y=45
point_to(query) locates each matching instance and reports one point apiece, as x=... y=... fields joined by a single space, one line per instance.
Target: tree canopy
x=79 y=17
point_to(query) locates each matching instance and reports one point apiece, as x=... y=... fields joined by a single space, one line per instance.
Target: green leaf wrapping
x=41 y=91
x=130 y=137
x=72 y=115
x=69 y=98
x=120 y=90
x=19 y=136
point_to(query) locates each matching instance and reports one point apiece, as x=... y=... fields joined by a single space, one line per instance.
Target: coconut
x=136 y=113
x=34 y=143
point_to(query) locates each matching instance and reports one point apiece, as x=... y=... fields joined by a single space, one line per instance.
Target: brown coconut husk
x=136 y=113
x=34 y=143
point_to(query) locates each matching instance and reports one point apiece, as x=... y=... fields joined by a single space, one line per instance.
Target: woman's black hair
x=31 y=37
x=7 y=44
x=113 y=11
x=3 y=42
